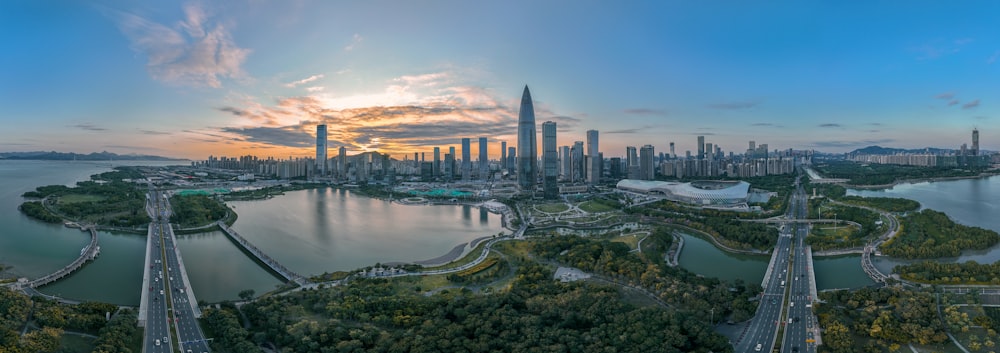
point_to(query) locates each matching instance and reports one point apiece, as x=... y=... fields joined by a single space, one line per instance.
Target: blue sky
x=189 y=79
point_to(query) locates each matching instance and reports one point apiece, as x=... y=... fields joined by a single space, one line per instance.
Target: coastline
x=916 y=181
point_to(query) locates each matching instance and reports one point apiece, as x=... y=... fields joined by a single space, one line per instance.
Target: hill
x=890 y=150
x=93 y=156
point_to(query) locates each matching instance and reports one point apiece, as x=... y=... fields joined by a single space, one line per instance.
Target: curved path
x=86 y=254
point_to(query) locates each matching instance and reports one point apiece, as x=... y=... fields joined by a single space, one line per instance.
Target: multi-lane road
x=800 y=323
x=170 y=305
x=788 y=279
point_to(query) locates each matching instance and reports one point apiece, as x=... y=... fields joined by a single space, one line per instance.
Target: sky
x=228 y=78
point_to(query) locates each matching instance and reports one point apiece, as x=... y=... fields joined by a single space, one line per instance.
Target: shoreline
x=917 y=181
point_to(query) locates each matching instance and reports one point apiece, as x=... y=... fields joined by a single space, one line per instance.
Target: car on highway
x=759 y=346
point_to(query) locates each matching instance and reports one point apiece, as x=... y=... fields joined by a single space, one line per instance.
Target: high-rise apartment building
x=550 y=161
x=526 y=144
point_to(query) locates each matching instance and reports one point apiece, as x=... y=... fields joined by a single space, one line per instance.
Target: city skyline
x=192 y=79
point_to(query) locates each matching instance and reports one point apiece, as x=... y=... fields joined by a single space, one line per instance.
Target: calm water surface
x=974 y=202
x=326 y=230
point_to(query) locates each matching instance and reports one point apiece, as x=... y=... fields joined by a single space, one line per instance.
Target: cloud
x=132 y=147
x=304 y=81
x=953 y=102
x=314 y=89
x=355 y=40
x=938 y=48
x=762 y=124
x=281 y=136
x=971 y=104
x=982 y=117
x=875 y=124
x=414 y=112
x=945 y=95
x=993 y=58
x=152 y=132
x=88 y=127
x=734 y=105
x=193 y=52
x=645 y=111
x=963 y=41
x=830 y=125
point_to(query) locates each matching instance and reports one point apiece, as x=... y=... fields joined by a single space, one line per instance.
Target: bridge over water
x=88 y=253
x=271 y=263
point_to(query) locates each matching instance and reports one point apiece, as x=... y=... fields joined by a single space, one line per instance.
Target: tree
x=246 y=294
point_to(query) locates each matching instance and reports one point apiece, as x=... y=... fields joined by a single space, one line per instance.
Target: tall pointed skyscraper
x=527 y=148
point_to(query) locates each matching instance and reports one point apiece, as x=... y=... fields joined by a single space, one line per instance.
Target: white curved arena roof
x=699 y=192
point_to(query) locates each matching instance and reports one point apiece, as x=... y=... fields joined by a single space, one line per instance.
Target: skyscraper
x=646 y=169
x=342 y=160
x=503 y=155
x=550 y=161
x=484 y=160
x=578 y=164
x=593 y=158
x=673 y=155
x=975 y=142
x=466 y=158
x=701 y=147
x=527 y=147
x=451 y=167
x=511 y=160
x=631 y=163
x=436 y=170
x=321 y=150
x=566 y=162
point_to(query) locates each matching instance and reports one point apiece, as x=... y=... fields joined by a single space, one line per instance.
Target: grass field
x=76 y=198
x=632 y=240
x=552 y=207
x=594 y=207
x=839 y=232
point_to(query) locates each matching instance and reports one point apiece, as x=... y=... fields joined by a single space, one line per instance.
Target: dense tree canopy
x=196 y=210
x=879 y=317
x=536 y=314
x=930 y=234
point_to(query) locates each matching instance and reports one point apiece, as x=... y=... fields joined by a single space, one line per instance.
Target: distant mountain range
x=890 y=150
x=94 y=156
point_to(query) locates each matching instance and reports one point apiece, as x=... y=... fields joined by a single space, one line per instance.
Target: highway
x=157 y=333
x=800 y=323
x=170 y=305
x=760 y=335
